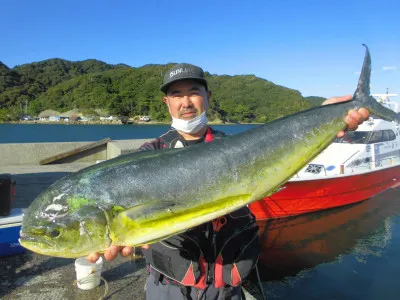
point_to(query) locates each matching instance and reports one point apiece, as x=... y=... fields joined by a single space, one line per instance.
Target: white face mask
x=190 y=126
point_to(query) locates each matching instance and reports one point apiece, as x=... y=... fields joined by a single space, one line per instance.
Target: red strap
x=209 y=136
x=218 y=269
x=218 y=274
x=189 y=277
x=201 y=283
x=235 y=275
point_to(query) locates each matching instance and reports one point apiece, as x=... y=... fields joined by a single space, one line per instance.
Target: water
x=351 y=252
x=34 y=133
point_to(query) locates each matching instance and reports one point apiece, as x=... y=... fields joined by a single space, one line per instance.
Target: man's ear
x=165 y=99
x=209 y=94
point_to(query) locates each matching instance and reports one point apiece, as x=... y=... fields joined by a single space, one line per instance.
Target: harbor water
x=38 y=133
x=352 y=252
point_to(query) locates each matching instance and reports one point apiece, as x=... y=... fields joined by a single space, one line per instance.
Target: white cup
x=88 y=274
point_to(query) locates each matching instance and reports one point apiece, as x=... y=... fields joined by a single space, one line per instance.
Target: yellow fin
x=133 y=228
x=147 y=211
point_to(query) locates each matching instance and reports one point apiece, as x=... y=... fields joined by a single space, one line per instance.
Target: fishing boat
x=353 y=168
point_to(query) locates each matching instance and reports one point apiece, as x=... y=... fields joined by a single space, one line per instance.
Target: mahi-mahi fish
x=148 y=196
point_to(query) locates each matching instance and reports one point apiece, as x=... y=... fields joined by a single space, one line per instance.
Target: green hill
x=126 y=91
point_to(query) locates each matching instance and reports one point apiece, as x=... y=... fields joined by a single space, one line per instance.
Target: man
x=211 y=260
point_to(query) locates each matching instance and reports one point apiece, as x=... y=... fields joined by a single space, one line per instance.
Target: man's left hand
x=353 y=117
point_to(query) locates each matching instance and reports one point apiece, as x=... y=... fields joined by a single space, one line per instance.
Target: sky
x=313 y=46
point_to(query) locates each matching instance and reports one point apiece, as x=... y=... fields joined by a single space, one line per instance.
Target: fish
x=145 y=197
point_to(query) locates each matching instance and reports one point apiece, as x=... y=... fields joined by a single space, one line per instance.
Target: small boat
x=354 y=168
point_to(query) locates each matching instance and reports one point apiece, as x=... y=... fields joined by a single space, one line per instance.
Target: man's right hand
x=112 y=252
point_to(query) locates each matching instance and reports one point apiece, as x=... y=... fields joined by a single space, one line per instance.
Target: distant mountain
x=123 y=90
x=53 y=71
x=3 y=66
x=8 y=78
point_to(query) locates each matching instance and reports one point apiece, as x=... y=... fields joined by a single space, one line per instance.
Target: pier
x=33 y=276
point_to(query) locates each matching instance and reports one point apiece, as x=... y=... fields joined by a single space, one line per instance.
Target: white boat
x=356 y=167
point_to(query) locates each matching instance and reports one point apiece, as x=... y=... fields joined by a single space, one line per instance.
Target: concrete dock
x=33 y=276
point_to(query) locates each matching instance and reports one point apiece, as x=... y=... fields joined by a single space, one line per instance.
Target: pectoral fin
x=127 y=223
x=148 y=211
x=155 y=221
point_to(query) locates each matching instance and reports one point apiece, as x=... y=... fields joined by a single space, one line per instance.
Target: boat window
x=353 y=137
x=392 y=135
x=376 y=137
x=386 y=135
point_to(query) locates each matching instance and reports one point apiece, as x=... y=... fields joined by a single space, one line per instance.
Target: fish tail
x=375 y=108
x=362 y=94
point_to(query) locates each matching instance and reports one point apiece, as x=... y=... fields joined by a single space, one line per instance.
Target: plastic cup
x=88 y=274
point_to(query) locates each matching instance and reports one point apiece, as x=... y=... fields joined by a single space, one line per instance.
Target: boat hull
x=305 y=196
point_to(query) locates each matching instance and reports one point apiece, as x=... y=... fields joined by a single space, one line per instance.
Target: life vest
x=221 y=252
x=172 y=139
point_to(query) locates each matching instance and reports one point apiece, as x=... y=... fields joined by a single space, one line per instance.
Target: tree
x=62 y=85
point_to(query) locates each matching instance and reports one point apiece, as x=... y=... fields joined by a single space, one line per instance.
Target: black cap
x=183 y=71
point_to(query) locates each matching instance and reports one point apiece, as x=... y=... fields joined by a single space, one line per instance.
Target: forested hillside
x=315 y=101
x=126 y=91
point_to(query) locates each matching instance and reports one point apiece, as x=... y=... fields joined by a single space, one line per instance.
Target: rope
x=75 y=283
x=259 y=282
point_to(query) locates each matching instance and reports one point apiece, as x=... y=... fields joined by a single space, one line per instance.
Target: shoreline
x=114 y=123
x=84 y=123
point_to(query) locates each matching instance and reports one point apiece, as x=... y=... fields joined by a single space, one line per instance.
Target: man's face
x=187 y=99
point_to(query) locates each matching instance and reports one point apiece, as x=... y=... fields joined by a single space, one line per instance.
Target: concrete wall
x=116 y=148
x=33 y=153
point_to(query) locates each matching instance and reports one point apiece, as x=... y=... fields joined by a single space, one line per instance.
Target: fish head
x=64 y=226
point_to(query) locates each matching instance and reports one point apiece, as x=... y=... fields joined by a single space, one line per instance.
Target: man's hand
x=112 y=252
x=353 y=117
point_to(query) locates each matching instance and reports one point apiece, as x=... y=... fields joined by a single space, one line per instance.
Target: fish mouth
x=34 y=243
x=40 y=247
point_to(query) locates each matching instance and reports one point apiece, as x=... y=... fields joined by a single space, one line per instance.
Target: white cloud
x=389 y=68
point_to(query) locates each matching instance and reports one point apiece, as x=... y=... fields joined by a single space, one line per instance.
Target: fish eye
x=53 y=233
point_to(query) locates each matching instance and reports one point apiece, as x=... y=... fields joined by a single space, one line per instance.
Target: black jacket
x=220 y=253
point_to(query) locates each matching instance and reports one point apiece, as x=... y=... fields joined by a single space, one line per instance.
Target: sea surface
x=38 y=133
x=351 y=252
